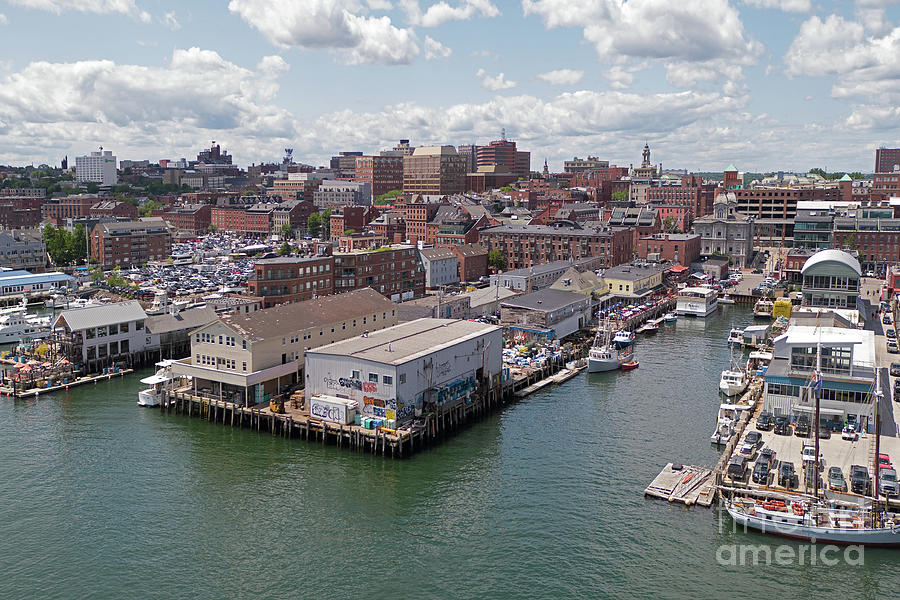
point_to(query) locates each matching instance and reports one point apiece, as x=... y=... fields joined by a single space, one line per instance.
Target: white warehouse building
x=398 y=372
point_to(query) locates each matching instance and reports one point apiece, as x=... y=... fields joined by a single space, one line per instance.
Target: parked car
x=895 y=369
x=849 y=432
x=836 y=480
x=891 y=334
x=782 y=426
x=801 y=428
x=884 y=461
x=886 y=319
x=808 y=454
x=824 y=433
x=754 y=437
x=757 y=271
x=859 y=479
x=748 y=451
x=765 y=422
x=887 y=482
x=737 y=467
x=786 y=474
x=769 y=455
x=761 y=472
x=892 y=347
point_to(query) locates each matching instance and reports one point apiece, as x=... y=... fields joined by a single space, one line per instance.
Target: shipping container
x=332 y=409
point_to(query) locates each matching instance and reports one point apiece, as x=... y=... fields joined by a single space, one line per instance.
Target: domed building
x=831 y=280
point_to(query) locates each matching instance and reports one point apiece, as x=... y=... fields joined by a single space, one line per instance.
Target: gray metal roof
x=407 y=341
x=99 y=316
x=545 y=300
x=186 y=319
x=437 y=253
x=837 y=256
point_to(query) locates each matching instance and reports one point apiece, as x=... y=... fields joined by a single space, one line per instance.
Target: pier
x=427 y=431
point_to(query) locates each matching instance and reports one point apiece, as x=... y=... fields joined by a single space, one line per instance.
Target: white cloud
x=171 y=22
x=197 y=96
x=379 y=4
x=785 y=5
x=3 y=19
x=561 y=77
x=694 y=30
x=494 y=84
x=435 y=50
x=330 y=24
x=125 y=7
x=442 y=12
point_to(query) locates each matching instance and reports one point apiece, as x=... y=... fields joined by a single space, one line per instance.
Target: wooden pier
x=429 y=430
x=37 y=391
x=685 y=484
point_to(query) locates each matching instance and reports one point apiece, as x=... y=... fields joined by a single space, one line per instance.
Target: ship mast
x=817 y=385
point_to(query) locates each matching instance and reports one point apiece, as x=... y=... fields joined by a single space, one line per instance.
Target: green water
x=102 y=499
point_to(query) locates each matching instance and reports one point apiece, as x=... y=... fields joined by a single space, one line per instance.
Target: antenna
x=503 y=134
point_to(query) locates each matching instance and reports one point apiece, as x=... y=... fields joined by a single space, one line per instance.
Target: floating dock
x=685 y=484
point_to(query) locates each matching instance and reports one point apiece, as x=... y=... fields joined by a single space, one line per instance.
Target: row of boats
x=615 y=350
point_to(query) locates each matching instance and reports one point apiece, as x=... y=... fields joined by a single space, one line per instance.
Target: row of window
x=385 y=379
x=227 y=340
x=218 y=363
x=114 y=329
x=111 y=349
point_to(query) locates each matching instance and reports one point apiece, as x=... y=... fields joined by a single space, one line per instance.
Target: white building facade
x=97 y=167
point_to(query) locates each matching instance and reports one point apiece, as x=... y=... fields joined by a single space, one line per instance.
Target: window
x=123 y=328
x=354 y=375
x=402 y=378
x=244 y=344
x=197 y=338
x=244 y=366
x=113 y=329
x=138 y=325
x=113 y=348
x=124 y=347
x=373 y=377
x=91 y=352
x=387 y=380
x=91 y=333
x=101 y=331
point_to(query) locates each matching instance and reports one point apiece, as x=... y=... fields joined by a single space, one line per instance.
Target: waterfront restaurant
x=848 y=375
x=831 y=279
x=400 y=371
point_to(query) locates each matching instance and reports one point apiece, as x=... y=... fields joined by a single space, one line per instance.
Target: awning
x=823 y=412
x=678 y=268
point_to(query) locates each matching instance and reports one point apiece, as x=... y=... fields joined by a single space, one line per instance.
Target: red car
x=884 y=461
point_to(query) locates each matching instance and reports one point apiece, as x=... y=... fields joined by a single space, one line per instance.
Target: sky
x=763 y=84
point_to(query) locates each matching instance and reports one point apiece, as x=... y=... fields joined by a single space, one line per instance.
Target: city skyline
x=763 y=84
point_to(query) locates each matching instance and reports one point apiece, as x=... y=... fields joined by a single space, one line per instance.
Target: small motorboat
x=726 y=299
x=651 y=328
x=671 y=317
x=736 y=336
x=630 y=365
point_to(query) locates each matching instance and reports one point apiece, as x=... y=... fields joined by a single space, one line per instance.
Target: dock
x=688 y=485
x=37 y=391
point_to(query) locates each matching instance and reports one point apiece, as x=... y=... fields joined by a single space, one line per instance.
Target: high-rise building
x=214 y=156
x=580 y=165
x=96 y=167
x=434 y=170
x=468 y=152
x=382 y=173
x=503 y=155
x=887 y=160
x=344 y=164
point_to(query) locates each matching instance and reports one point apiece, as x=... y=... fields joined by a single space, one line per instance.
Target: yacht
x=16 y=326
x=158 y=384
x=763 y=308
x=696 y=301
x=623 y=338
x=733 y=381
x=736 y=337
x=604 y=356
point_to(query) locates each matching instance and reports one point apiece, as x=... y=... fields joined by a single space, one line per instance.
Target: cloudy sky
x=765 y=84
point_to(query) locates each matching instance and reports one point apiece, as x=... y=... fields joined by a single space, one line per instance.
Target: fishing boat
x=670 y=317
x=623 y=338
x=696 y=301
x=763 y=308
x=824 y=522
x=728 y=416
x=735 y=336
x=733 y=381
x=158 y=385
x=651 y=328
x=628 y=366
x=604 y=356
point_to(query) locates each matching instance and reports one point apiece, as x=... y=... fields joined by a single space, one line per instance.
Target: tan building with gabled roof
x=249 y=358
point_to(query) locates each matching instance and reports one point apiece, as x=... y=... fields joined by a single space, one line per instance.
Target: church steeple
x=546 y=172
x=646 y=154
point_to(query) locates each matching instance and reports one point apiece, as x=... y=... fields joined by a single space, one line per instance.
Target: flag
x=815 y=383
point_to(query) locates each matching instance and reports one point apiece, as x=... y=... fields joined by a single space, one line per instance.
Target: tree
x=349 y=231
x=149 y=207
x=620 y=195
x=212 y=228
x=818 y=171
x=669 y=224
x=287 y=231
x=850 y=241
x=285 y=249
x=496 y=260
x=314 y=224
x=78 y=244
x=387 y=197
x=326 y=224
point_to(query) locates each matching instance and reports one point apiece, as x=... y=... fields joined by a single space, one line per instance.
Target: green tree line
x=66 y=247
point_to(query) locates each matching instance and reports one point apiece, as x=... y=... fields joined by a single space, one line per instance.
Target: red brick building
x=194 y=218
x=417 y=214
x=692 y=192
x=113 y=208
x=131 y=243
x=527 y=245
x=351 y=217
x=289 y=279
x=681 y=215
x=887 y=160
x=294 y=213
x=383 y=173
x=390 y=226
x=434 y=170
x=57 y=210
x=681 y=248
x=472 y=260
x=504 y=157
x=394 y=272
x=20 y=212
x=246 y=220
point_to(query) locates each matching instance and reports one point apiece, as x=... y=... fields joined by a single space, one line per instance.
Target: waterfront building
x=97 y=167
x=18 y=282
x=97 y=336
x=548 y=313
x=289 y=279
x=22 y=249
x=727 y=231
x=171 y=332
x=440 y=267
x=437 y=306
x=634 y=280
x=847 y=358
x=585 y=282
x=248 y=358
x=538 y=277
x=484 y=302
x=831 y=280
x=414 y=367
x=131 y=243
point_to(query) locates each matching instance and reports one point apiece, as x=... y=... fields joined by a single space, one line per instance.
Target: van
x=737 y=467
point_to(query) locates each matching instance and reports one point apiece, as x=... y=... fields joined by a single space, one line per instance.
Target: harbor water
x=102 y=499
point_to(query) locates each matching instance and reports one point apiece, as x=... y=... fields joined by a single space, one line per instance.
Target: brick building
x=472 y=260
x=294 y=213
x=527 y=245
x=382 y=173
x=887 y=160
x=681 y=248
x=113 y=208
x=503 y=155
x=691 y=191
x=417 y=213
x=289 y=279
x=253 y=220
x=194 y=218
x=131 y=243
x=353 y=218
x=393 y=271
x=434 y=170
x=19 y=212
x=774 y=208
x=390 y=226
x=57 y=210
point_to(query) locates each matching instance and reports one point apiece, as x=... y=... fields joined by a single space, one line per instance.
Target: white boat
x=733 y=381
x=670 y=317
x=763 y=308
x=623 y=338
x=159 y=384
x=16 y=326
x=604 y=356
x=735 y=336
x=728 y=416
x=696 y=301
x=162 y=304
x=810 y=520
x=726 y=299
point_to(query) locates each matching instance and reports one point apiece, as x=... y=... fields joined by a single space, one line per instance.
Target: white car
x=849 y=433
